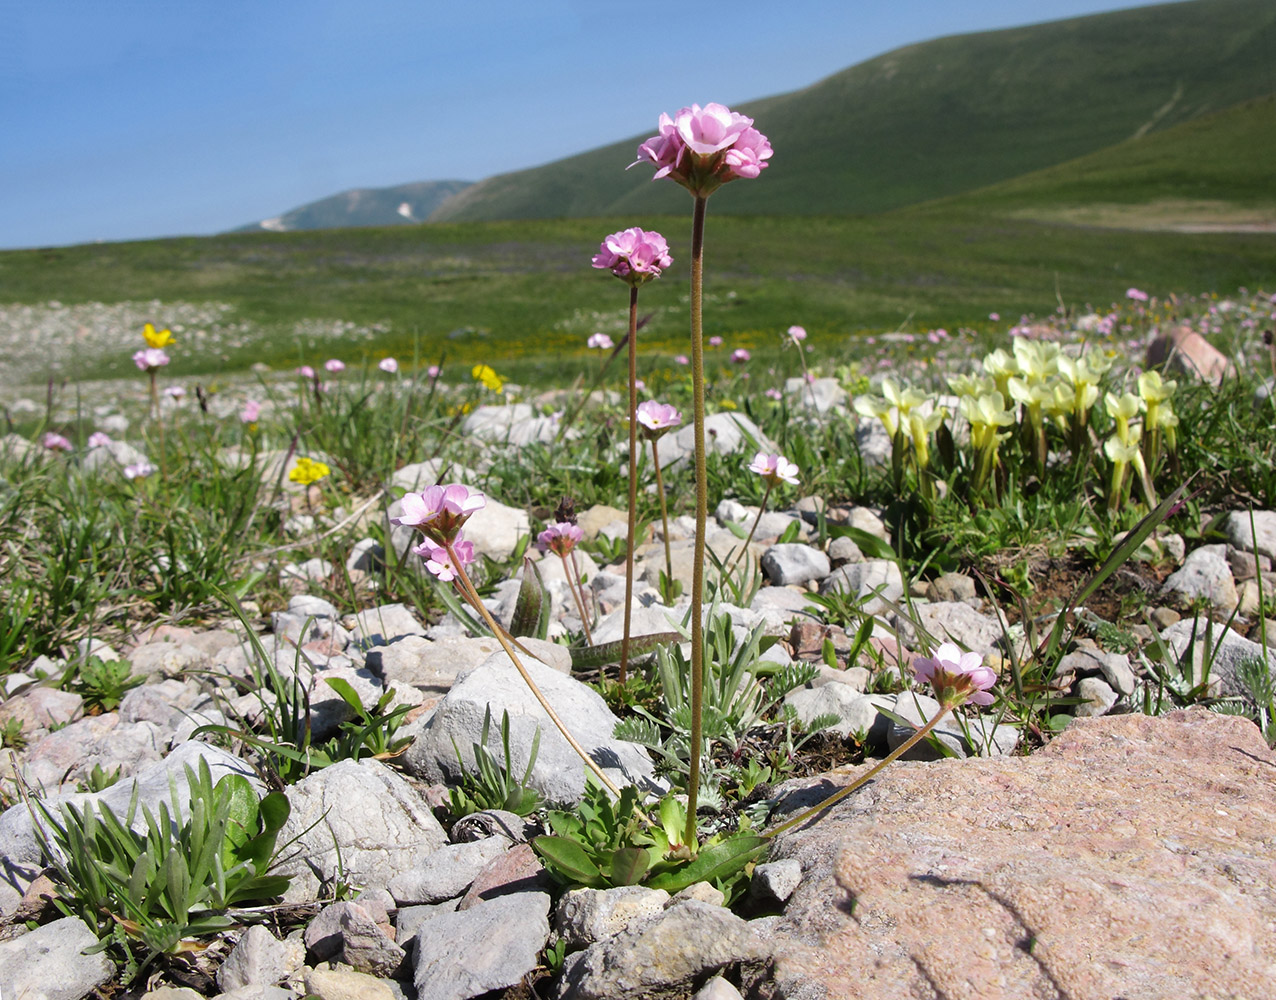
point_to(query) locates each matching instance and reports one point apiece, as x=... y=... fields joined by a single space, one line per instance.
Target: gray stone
x=857 y=712
x=1236 y=526
x=1197 y=642
x=1096 y=697
x=492 y=823
x=310 y=606
x=70 y=753
x=822 y=395
x=49 y=963
x=348 y=932
x=446 y=873
x=258 y=993
x=842 y=551
x=258 y=959
x=366 y=556
x=558 y=774
x=488 y=947
x=346 y=984
x=717 y=988
x=660 y=955
x=794 y=563
x=167 y=659
x=429 y=663
x=725 y=434
x=515 y=424
x=864 y=580
x=953 y=587
x=950 y=621
x=358 y=821
x=1115 y=667
x=1203 y=575
x=775 y=881
x=873 y=442
x=419 y=475
x=41 y=707
x=383 y=625
x=868 y=520
x=584 y=916
x=782 y=604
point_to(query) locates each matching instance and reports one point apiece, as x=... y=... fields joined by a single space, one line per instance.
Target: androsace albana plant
x=493 y=784
x=162 y=888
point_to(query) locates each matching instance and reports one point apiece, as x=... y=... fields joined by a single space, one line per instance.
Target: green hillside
x=400 y=205
x=941 y=117
x=1213 y=172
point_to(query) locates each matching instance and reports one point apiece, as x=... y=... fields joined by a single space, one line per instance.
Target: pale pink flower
x=138 y=470
x=175 y=392
x=994 y=316
x=56 y=442
x=704 y=148
x=439 y=511
x=250 y=412
x=99 y=439
x=956 y=677
x=810 y=378
x=150 y=358
x=305 y=371
x=600 y=341
x=388 y=365
x=797 y=334
x=740 y=355
x=715 y=341
x=774 y=393
x=681 y=359
x=634 y=255
x=1136 y=294
x=775 y=469
x=439 y=561
x=657 y=418
x=559 y=538
x=334 y=365
x=434 y=371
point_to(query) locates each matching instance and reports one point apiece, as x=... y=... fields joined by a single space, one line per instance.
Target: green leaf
x=242 y=814
x=567 y=859
x=870 y=545
x=629 y=865
x=716 y=862
x=586 y=657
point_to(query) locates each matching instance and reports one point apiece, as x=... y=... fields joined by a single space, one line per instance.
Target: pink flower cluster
x=56 y=442
x=704 y=148
x=775 y=469
x=439 y=561
x=657 y=418
x=150 y=358
x=251 y=411
x=599 y=341
x=388 y=365
x=440 y=511
x=956 y=677
x=559 y=538
x=634 y=255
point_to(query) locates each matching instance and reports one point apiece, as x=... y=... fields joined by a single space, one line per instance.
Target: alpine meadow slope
x=942 y=117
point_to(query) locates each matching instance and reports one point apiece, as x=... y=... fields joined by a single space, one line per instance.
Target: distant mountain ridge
x=400 y=205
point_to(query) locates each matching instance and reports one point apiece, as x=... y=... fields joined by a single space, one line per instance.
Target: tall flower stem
x=570 y=570
x=633 y=479
x=664 y=511
x=472 y=595
x=702 y=515
x=752 y=531
x=838 y=796
x=159 y=425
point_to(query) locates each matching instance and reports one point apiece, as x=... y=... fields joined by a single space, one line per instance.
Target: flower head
x=956 y=677
x=740 y=356
x=657 y=418
x=489 y=378
x=175 y=392
x=388 y=365
x=305 y=371
x=308 y=471
x=1136 y=295
x=440 y=562
x=99 y=439
x=250 y=412
x=56 y=442
x=715 y=341
x=150 y=358
x=634 y=255
x=600 y=342
x=434 y=371
x=797 y=334
x=138 y=470
x=559 y=538
x=439 y=511
x=334 y=365
x=704 y=148
x=775 y=469
x=156 y=338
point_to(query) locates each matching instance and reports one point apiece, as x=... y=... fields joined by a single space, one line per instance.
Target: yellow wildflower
x=489 y=378
x=308 y=471
x=156 y=338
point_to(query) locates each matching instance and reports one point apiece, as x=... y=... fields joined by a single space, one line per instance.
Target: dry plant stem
x=838 y=796
x=574 y=587
x=464 y=580
x=633 y=480
x=702 y=517
x=664 y=509
x=752 y=531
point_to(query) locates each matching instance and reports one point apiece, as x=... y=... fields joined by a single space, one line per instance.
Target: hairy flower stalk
x=561 y=539
x=635 y=257
x=702 y=149
x=656 y=419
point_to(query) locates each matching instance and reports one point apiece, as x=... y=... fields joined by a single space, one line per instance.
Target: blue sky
x=128 y=119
